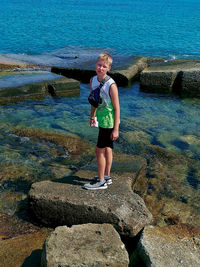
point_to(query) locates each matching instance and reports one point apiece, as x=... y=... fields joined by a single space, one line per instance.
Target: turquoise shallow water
x=151 y=27
x=167 y=121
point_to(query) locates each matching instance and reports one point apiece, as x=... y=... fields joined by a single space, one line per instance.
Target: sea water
x=166 y=28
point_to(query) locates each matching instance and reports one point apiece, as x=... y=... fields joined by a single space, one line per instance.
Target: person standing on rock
x=108 y=117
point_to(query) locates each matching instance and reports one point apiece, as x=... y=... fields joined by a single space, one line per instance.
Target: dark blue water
x=168 y=28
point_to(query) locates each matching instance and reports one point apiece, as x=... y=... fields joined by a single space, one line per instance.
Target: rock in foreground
x=55 y=204
x=84 y=245
x=170 y=246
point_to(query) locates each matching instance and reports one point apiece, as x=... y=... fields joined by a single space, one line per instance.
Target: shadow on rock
x=73 y=180
x=34 y=259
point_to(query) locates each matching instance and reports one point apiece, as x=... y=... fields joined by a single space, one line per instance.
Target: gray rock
x=122 y=76
x=65 y=86
x=191 y=82
x=171 y=246
x=29 y=86
x=179 y=76
x=157 y=80
x=84 y=245
x=55 y=204
x=126 y=75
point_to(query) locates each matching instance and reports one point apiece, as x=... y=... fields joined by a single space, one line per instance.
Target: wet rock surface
x=122 y=76
x=169 y=186
x=69 y=204
x=178 y=76
x=69 y=148
x=23 y=250
x=170 y=246
x=84 y=245
x=168 y=183
x=58 y=155
x=35 y=84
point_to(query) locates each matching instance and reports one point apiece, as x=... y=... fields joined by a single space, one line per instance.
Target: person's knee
x=108 y=150
x=100 y=151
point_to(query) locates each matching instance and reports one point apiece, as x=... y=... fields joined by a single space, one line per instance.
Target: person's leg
x=108 y=159
x=101 y=162
x=104 y=160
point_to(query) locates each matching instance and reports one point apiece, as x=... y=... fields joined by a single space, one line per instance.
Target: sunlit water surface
x=166 y=121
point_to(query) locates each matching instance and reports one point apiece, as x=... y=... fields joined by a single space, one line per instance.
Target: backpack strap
x=104 y=81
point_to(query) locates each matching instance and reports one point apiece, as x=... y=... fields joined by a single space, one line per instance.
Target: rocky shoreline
x=144 y=212
x=58 y=204
x=180 y=77
x=145 y=218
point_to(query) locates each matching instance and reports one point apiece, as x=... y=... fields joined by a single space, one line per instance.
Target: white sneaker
x=98 y=185
x=107 y=178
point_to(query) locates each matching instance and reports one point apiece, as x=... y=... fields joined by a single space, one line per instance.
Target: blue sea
x=159 y=28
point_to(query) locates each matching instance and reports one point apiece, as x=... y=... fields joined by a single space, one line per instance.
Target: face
x=102 y=67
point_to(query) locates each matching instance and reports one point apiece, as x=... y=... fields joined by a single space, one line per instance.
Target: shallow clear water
x=20 y=78
x=146 y=119
x=167 y=121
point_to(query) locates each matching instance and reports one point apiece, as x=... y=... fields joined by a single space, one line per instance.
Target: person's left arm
x=115 y=101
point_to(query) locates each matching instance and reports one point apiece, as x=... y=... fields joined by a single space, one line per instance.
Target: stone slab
x=170 y=246
x=58 y=86
x=122 y=76
x=178 y=76
x=84 y=245
x=56 y=203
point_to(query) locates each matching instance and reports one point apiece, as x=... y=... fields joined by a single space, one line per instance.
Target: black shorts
x=104 y=138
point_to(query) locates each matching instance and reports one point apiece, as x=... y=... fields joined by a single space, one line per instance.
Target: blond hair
x=106 y=57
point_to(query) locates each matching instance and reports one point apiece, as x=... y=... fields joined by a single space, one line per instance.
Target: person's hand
x=92 y=122
x=114 y=135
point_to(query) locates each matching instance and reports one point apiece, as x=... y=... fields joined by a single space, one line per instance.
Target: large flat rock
x=84 y=245
x=179 y=76
x=170 y=246
x=122 y=76
x=27 y=84
x=67 y=203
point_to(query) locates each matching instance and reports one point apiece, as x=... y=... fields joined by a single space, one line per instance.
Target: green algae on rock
x=78 y=151
x=24 y=249
x=178 y=76
x=31 y=86
x=169 y=185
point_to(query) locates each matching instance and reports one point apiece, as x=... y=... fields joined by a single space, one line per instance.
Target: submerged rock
x=67 y=203
x=84 y=245
x=170 y=246
x=23 y=250
x=70 y=149
x=169 y=185
x=12 y=65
